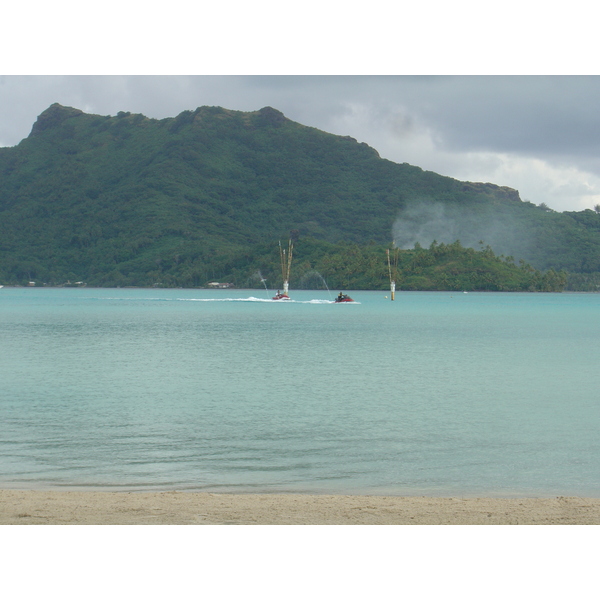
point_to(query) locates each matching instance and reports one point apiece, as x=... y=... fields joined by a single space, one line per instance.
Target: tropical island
x=206 y=196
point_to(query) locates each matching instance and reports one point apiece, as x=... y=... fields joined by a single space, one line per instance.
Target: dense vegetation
x=128 y=200
x=348 y=266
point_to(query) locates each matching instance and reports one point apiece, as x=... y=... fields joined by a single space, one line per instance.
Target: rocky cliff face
x=500 y=192
x=53 y=116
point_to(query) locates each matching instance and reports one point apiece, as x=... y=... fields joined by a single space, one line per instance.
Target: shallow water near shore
x=442 y=394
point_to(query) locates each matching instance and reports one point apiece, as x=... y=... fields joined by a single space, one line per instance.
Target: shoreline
x=37 y=507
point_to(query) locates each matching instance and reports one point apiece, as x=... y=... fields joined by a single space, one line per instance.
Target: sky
x=539 y=134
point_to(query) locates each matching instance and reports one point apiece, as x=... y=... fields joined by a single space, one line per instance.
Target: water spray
x=263 y=281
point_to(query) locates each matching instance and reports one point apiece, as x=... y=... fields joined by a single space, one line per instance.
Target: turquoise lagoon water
x=445 y=394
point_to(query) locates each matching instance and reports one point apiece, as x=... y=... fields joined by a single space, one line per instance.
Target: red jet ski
x=343 y=298
x=280 y=296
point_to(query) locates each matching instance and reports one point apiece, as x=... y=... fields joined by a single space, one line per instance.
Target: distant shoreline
x=38 y=507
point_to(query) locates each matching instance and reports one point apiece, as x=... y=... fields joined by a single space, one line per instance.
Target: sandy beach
x=186 y=508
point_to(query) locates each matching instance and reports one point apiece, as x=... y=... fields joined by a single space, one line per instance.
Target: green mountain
x=129 y=200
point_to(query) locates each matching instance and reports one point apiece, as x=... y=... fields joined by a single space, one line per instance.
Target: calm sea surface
x=226 y=391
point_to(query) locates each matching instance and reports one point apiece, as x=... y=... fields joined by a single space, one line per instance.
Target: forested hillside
x=128 y=200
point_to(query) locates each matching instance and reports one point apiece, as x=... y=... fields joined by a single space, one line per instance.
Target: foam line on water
x=267 y=300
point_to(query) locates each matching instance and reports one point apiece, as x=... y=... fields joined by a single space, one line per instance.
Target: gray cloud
x=544 y=115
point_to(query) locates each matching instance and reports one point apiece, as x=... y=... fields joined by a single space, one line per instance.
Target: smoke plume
x=427 y=221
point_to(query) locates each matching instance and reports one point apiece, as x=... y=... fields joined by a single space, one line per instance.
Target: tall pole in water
x=286 y=265
x=392 y=275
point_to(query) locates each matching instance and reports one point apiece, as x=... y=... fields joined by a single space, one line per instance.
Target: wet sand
x=186 y=508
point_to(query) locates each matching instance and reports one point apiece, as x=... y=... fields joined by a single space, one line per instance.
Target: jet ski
x=343 y=298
